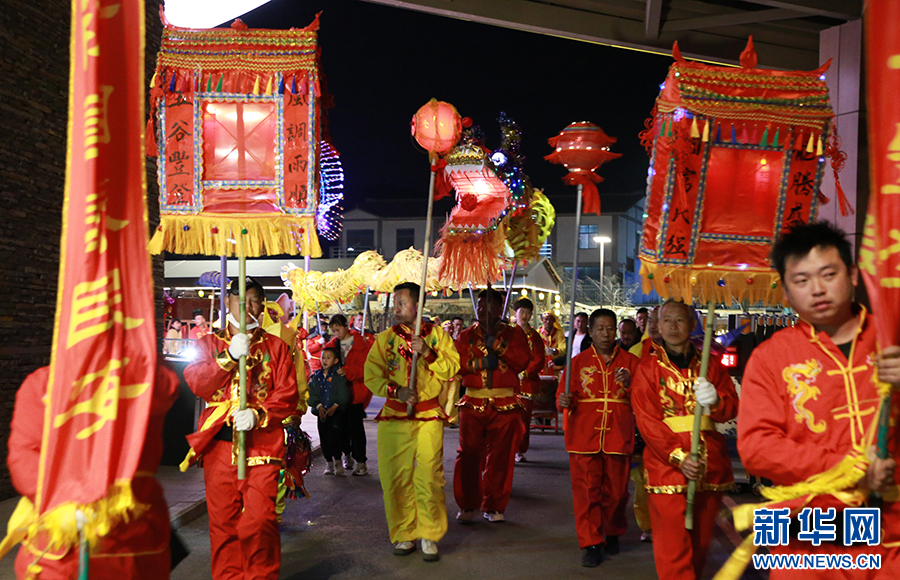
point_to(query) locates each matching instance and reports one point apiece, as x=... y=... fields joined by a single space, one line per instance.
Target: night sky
x=383 y=63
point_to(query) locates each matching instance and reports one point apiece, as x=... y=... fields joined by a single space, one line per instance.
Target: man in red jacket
x=810 y=400
x=529 y=379
x=599 y=437
x=243 y=532
x=491 y=355
x=138 y=548
x=664 y=393
x=354 y=348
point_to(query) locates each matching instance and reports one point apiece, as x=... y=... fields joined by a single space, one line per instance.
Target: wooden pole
x=242 y=366
x=710 y=328
x=410 y=409
x=223 y=276
x=365 y=312
x=509 y=290
x=571 y=336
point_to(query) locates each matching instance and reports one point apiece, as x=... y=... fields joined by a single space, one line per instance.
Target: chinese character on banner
x=813 y=526
x=862 y=526
x=770 y=526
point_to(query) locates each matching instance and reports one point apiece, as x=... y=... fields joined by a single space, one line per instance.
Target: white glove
x=705 y=393
x=244 y=420
x=240 y=346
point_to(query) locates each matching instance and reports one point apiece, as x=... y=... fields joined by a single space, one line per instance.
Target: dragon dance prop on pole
x=582 y=148
x=436 y=127
x=879 y=256
x=235 y=125
x=103 y=362
x=722 y=140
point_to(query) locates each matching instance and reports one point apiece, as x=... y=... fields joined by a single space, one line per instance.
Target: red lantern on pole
x=436 y=126
x=582 y=148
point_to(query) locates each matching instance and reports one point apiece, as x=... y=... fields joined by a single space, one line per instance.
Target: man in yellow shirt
x=411 y=448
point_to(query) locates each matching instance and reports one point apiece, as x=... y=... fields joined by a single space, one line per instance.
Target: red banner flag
x=104 y=343
x=879 y=256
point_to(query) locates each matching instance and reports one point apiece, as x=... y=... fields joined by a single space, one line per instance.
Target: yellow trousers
x=448 y=399
x=411 y=469
x=641 y=510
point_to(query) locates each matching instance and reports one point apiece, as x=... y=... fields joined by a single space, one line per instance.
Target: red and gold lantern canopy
x=582 y=148
x=436 y=126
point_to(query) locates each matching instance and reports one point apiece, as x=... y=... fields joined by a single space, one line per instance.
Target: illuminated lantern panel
x=736 y=158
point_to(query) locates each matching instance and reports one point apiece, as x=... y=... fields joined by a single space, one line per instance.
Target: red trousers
x=679 y=553
x=527 y=408
x=243 y=533
x=600 y=495
x=487 y=439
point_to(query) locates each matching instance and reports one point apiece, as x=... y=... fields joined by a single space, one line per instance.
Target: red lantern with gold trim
x=436 y=126
x=582 y=148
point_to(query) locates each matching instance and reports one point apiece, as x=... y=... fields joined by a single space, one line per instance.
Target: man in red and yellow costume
x=243 y=531
x=491 y=355
x=137 y=548
x=810 y=399
x=554 y=342
x=599 y=437
x=411 y=448
x=529 y=379
x=664 y=393
x=354 y=349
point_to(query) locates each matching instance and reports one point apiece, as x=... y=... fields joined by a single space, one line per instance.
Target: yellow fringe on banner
x=718 y=283
x=58 y=528
x=233 y=234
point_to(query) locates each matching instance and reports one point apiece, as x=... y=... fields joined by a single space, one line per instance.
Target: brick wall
x=34 y=69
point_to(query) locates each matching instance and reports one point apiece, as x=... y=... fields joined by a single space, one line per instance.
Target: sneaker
x=404 y=548
x=647 y=536
x=348 y=462
x=429 y=551
x=329 y=468
x=612 y=545
x=592 y=556
x=520 y=458
x=494 y=517
x=465 y=516
x=361 y=469
x=338 y=468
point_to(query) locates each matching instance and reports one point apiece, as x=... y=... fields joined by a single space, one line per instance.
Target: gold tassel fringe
x=720 y=284
x=234 y=234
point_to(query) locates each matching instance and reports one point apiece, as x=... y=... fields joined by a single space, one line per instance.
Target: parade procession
x=636 y=261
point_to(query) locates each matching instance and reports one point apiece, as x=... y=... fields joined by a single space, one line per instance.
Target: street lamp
x=602 y=240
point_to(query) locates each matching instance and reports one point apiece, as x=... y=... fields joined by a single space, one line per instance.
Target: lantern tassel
x=695 y=131
x=764 y=142
x=775 y=139
x=705 y=137
x=269 y=87
x=810 y=144
x=819 y=149
x=256 y=86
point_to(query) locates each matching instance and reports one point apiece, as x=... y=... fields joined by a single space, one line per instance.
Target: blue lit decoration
x=329 y=216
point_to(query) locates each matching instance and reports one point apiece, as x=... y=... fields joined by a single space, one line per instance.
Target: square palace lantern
x=236 y=123
x=736 y=158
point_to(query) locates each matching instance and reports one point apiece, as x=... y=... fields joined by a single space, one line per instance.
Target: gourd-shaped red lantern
x=436 y=126
x=582 y=148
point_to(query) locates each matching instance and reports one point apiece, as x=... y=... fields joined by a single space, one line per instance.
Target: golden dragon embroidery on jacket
x=799 y=378
x=587 y=380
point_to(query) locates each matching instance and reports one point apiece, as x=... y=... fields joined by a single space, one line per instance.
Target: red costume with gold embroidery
x=599 y=439
x=805 y=407
x=490 y=420
x=138 y=548
x=530 y=382
x=243 y=531
x=662 y=396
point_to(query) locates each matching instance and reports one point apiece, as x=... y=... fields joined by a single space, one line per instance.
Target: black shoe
x=592 y=556
x=612 y=545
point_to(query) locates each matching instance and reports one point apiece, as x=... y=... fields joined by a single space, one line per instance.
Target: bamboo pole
x=365 y=312
x=242 y=366
x=512 y=282
x=571 y=336
x=410 y=409
x=709 y=327
x=223 y=276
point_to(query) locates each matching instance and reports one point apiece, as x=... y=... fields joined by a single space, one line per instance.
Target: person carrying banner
x=411 y=446
x=599 y=437
x=138 y=548
x=529 y=379
x=243 y=531
x=491 y=355
x=664 y=393
x=809 y=398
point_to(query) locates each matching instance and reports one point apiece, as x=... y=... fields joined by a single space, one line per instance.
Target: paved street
x=340 y=531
